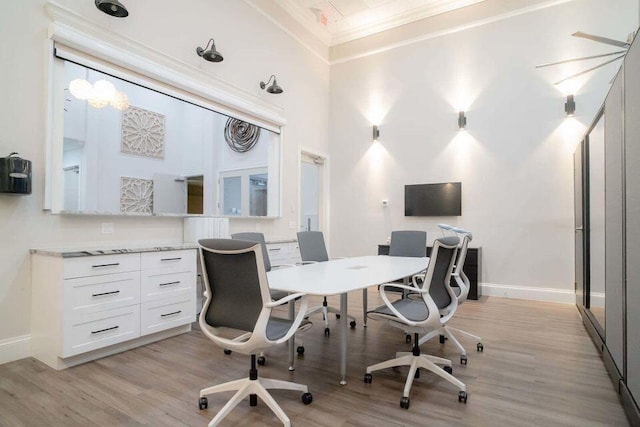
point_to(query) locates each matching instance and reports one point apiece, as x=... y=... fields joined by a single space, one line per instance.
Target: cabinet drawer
x=93 y=294
x=278 y=252
x=176 y=261
x=97 y=330
x=158 y=284
x=99 y=265
x=165 y=314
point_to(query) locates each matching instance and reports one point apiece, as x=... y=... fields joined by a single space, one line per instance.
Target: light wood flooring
x=539 y=368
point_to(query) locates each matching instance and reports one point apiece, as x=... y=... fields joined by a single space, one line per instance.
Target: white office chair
x=313 y=250
x=238 y=301
x=461 y=291
x=406 y=243
x=428 y=312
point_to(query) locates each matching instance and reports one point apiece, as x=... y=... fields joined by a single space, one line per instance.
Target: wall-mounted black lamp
x=210 y=54
x=570 y=106
x=274 y=88
x=113 y=8
x=376 y=132
x=462 y=120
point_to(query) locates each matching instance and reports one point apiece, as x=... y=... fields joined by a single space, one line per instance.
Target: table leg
x=292 y=341
x=344 y=330
x=365 y=300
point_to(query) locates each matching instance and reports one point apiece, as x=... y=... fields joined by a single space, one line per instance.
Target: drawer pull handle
x=171 y=259
x=113 y=264
x=105 y=330
x=169 y=283
x=275 y=249
x=171 y=314
x=106 y=293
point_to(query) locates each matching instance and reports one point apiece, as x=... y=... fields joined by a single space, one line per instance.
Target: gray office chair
x=313 y=250
x=408 y=243
x=238 y=301
x=461 y=291
x=275 y=294
x=434 y=307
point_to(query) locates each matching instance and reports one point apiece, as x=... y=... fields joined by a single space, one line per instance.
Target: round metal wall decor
x=241 y=136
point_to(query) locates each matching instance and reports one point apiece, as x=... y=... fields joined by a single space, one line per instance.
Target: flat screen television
x=443 y=199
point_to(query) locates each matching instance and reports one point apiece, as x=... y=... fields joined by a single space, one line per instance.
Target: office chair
x=275 y=294
x=408 y=243
x=461 y=291
x=313 y=250
x=238 y=300
x=436 y=304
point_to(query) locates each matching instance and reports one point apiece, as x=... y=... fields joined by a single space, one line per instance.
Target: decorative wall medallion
x=136 y=195
x=241 y=136
x=142 y=133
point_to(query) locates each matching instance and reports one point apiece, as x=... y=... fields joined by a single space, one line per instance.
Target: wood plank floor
x=538 y=368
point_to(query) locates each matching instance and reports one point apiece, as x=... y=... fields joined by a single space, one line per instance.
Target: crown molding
x=87 y=36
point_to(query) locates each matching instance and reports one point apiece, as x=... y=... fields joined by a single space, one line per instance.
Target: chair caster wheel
x=417 y=374
x=307 y=398
x=480 y=347
x=463 y=360
x=253 y=400
x=227 y=351
x=442 y=338
x=262 y=360
x=327 y=331
x=462 y=396
x=407 y=339
x=203 y=403
x=368 y=378
x=300 y=350
x=352 y=324
x=448 y=370
x=337 y=316
x=404 y=403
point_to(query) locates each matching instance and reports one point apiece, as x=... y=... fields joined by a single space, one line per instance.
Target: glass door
x=311 y=197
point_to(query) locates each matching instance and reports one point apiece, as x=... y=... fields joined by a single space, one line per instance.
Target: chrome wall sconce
x=274 y=88
x=113 y=8
x=462 y=120
x=209 y=54
x=570 y=106
x=376 y=132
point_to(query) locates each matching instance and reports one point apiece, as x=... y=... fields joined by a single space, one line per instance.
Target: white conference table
x=340 y=276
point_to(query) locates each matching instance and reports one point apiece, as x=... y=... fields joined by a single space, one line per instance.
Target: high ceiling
x=340 y=21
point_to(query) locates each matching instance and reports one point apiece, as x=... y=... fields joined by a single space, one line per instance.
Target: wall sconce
x=570 y=106
x=376 y=132
x=113 y=8
x=211 y=55
x=274 y=88
x=462 y=120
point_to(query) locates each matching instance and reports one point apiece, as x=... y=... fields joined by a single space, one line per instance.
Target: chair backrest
x=235 y=282
x=312 y=247
x=462 y=252
x=409 y=243
x=443 y=256
x=258 y=238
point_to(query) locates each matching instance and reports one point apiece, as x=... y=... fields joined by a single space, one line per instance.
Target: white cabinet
x=285 y=252
x=88 y=307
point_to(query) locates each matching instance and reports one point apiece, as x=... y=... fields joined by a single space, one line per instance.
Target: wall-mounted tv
x=443 y=199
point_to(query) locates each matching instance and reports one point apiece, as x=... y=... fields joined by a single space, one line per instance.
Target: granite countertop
x=121 y=249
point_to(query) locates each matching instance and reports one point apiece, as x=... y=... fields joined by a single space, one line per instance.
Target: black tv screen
x=433 y=199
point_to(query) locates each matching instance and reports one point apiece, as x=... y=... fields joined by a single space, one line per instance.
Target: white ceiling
x=340 y=21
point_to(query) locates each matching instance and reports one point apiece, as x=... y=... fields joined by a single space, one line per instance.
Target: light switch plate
x=107 y=228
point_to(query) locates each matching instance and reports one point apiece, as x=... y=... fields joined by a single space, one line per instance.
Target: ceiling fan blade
x=601 y=39
x=581 y=59
x=589 y=70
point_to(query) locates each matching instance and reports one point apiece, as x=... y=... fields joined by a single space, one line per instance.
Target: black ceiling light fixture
x=113 y=8
x=274 y=88
x=210 y=54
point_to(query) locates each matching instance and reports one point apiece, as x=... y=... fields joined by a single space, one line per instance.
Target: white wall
x=514 y=159
x=253 y=47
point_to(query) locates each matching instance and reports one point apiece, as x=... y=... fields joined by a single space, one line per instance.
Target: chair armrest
x=390 y=306
x=284 y=300
x=409 y=288
x=302 y=311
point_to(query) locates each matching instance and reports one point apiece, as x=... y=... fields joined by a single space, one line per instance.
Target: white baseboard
x=15 y=348
x=563 y=296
